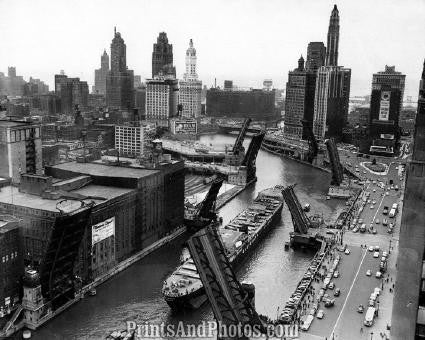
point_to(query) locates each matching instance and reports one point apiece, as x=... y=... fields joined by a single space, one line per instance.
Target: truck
x=369 y=317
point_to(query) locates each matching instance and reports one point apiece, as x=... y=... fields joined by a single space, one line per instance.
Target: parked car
x=336 y=273
x=337 y=292
x=360 y=309
x=378 y=275
x=347 y=252
x=331 y=285
x=371 y=248
x=384 y=221
x=329 y=302
x=320 y=314
x=376 y=254
x=368 y=272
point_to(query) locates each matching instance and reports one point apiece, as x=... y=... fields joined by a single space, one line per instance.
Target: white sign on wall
x=384 y=108
x=103 y=230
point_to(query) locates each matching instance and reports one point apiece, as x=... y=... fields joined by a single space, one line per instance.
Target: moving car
x=378 y=275
x=347 y=252
x=331 y=285
x=371 y=248
x=360 y=309
x=384 y=221
x=377 y=248
x=368 y=272
x=320 y=314
x=377 y=221
x=336 y=273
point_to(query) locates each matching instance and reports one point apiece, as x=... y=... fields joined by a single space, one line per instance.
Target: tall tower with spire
x=190 y=63
x=120 y=80
x=332 y=89
x=190 y=86
x=101 y=74
x=118 y=53
x=333 y=39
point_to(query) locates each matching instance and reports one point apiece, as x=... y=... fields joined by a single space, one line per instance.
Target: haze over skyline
x=245 y=41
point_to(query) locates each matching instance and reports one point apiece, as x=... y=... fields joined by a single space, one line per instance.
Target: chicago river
x=135 y=294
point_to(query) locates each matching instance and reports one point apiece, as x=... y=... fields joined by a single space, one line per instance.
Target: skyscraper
x=316 y=54
x=332 y=89
x=408 y=307
x=333 y=39
x=161 y=99
x=71 y=91
x=190 y=86
x=299 y=101
x=120 y=80
x=385 y=106
x=391 y=78
x=162 y=57
x=101 y=74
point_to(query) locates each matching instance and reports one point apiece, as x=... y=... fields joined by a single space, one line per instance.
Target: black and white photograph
x=212 y=170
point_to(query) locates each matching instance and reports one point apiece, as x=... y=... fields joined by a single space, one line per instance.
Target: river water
x=135 y=294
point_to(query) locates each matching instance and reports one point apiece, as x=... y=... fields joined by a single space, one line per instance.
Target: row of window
x=13 y=255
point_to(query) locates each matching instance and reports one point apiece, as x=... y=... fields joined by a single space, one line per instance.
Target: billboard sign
x=185 y=127
x=103 y=230
x=384 y=108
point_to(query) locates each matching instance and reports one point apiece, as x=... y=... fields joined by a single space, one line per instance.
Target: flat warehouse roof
x=96 y=169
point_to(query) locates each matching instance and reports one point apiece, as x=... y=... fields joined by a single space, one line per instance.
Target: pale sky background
x=242 y=40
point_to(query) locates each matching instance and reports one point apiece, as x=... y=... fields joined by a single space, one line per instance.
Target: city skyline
x=264 y=32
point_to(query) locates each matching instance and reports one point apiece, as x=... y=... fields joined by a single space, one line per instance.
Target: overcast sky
x=243 y=40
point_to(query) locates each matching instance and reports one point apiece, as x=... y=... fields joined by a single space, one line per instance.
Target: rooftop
x=97 y=169
x=14 y=123
x=11 y=194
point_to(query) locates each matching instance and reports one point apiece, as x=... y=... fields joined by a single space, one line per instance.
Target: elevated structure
x=251 y=156
x=237 y=147
x=204 y=213
x=229 y=300
x=300 y=220
x=236 y=154
x=313 y=147
x=337 y=170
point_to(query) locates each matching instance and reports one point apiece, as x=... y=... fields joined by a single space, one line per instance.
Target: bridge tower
x=229 y=300
x=337 y=170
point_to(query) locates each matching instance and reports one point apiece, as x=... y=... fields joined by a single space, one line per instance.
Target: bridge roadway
x=343 y=321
